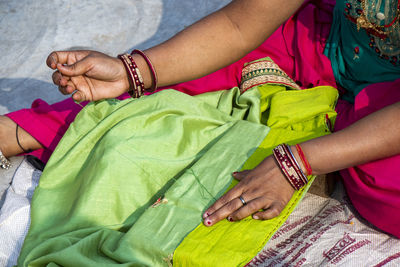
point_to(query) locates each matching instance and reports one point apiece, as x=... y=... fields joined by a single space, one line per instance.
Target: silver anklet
x=4 y=162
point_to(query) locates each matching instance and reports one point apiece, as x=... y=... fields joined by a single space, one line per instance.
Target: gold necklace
x=363 y=22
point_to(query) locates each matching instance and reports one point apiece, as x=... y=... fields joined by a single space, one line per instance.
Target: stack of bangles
x=135 y=78
x=290 y=167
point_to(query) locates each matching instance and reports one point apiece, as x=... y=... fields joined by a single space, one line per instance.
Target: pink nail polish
x=256 y=217
x=205 y=215
x=208 y=222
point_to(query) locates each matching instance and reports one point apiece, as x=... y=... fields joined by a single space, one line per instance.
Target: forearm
x=217 y=40
x=371 y=138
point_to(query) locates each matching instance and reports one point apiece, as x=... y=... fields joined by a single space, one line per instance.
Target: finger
x=70 y=87
x=82 y=85
x=65 y=85
x=240 y=175
x=274 y=210
x=59 y=79
x=52 y=60
x=63 y=90
x=57 y=57
x=223 y=212
x=251 y=207
x=67 y=90
x=78 y=96
x=231 y=194
x=56 y=77
x=76 y=69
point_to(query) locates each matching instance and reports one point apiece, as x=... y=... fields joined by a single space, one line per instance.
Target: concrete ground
x=30 y=30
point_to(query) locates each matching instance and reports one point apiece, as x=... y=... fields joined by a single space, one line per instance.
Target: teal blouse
x=360 y=58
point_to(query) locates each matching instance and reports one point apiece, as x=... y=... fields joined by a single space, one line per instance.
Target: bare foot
x=8 y=139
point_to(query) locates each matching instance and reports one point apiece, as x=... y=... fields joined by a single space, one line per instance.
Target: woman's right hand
x=88 y=75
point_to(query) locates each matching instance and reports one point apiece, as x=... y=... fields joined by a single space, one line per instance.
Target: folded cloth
x=130 y=179
x=14 y=213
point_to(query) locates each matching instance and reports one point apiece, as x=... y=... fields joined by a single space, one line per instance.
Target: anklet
x=4 y=162
x=23 y=149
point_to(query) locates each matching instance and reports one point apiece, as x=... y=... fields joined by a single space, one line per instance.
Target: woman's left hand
x=265 y=191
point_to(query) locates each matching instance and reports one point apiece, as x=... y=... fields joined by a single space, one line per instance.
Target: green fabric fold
x=94 y=203
x=294 y=117
x=130 y=179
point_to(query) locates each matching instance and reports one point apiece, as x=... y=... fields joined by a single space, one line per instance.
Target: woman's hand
x=264 y=189
x=89 y=75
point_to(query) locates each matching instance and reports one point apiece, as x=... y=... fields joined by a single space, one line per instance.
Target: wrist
x=302 y=160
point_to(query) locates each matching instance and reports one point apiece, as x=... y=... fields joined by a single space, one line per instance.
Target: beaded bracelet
x=289 y=166
x=134 y=76
x=139 y=82
x=303 y=158
x=151 y=66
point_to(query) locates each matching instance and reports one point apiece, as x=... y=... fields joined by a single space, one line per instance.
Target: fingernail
x=255 y=217
x=208 y=222
x=78 y=102
x=205 y=215
x=230 y=219
x=234 y=173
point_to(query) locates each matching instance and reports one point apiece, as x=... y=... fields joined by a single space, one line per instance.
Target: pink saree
x=297 y=47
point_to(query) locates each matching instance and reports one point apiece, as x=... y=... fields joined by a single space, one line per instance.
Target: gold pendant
x=360 y=22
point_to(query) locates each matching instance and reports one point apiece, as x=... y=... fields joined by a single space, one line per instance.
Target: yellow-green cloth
x=130 y=179
x=294 y=116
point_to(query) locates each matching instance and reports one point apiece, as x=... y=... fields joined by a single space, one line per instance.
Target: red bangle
x=296 y=165
x=134 y=76
x=304 y=160
x=289 y=166
x=152 y=69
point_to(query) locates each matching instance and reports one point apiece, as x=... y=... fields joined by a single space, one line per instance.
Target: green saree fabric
x=130 y=179
x=294 y=116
